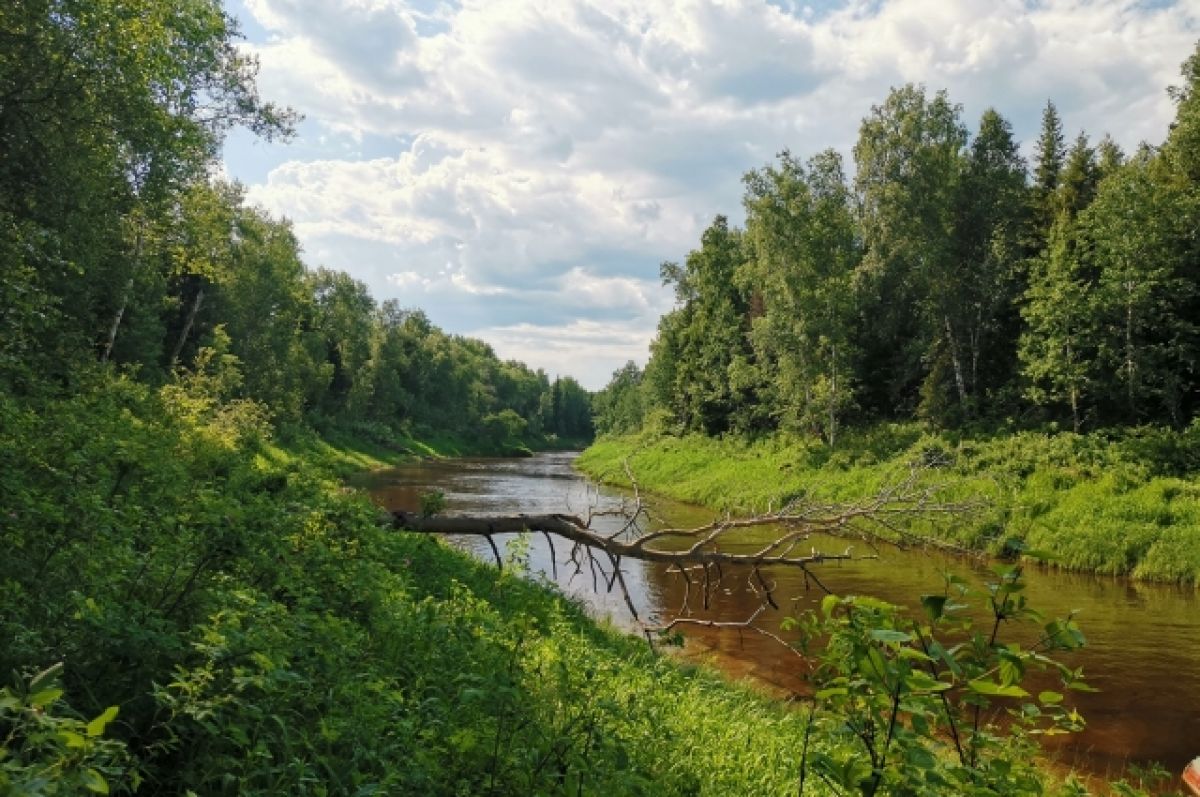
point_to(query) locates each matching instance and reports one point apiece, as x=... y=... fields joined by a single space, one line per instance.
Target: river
x=1143 y=651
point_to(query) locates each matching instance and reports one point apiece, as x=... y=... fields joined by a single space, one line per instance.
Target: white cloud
x=543 y=156
x=588 y=350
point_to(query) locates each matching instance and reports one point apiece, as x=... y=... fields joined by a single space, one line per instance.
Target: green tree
x=804 y=245
x=201 y=251
x=710 y=330
x=266 y=303
x=1182 y=148
x=910 y=164
x=989 y=231
x=520 y=388
x=109 y=110
x=570 y=408
x=1079 y=179
x=620 y=407
x=1109 y=156
x=1049 y=156
x=661 y=377
x=343 y=317
x=1141 y=230
x=1057 y=348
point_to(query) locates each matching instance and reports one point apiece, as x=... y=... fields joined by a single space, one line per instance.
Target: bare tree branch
x=887 y=517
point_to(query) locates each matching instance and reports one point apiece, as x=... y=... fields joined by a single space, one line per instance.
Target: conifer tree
x=989 y=231
x=1056 y=347
x=1049 y=156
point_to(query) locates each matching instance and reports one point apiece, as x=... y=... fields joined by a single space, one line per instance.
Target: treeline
x=119 y=246
x=949 y=281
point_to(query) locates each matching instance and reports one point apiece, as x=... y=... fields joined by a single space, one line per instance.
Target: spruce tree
x=1049 y=155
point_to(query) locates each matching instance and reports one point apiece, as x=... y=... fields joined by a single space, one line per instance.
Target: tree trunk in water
x=187 y=325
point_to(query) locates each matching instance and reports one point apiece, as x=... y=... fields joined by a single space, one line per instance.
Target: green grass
x=231 y=619
x=345 y=450
x=259 y=633
x=1117 y=503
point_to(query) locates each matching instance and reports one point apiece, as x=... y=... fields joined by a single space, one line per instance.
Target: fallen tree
x=921 y=702
x=701 y=554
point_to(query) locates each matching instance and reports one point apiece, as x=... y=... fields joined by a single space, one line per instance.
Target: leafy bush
x=261 y=634
x=45 y=749
x=935 y=705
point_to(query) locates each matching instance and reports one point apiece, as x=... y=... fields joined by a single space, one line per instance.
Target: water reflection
x=1143 y=640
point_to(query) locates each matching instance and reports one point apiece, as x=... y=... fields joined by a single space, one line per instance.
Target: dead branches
x=702 y=554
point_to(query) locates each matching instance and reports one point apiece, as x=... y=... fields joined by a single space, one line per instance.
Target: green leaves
x=94 y=782
x=934 y=605
x=914 y=696
x=802 y=253
x=45 y=697
x=46 y=750
x=96 y=727
x=993 y=689
x=889 y=636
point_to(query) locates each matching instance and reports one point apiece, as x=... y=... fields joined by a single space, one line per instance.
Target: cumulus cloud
x=546 y=155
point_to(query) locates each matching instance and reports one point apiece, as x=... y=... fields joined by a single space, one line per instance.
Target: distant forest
x=950 y=281
x=119 y=246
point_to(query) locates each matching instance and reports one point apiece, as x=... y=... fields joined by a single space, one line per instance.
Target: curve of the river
x=1143 y=650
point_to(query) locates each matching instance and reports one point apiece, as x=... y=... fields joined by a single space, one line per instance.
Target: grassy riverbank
x=344 y=451
x=1125 y=503
x=190 y=606
x=220 y=615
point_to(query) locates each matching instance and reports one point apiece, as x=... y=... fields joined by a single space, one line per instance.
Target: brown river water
x=1143 y=652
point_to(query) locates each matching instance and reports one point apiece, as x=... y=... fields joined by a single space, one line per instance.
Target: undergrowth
x=190 y=607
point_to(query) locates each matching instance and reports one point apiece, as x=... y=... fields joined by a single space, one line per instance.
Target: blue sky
x=519 y=168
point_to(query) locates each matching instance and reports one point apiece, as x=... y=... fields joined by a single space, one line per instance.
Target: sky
x=519 y=168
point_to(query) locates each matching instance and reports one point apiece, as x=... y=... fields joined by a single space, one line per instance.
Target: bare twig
x=886 y=517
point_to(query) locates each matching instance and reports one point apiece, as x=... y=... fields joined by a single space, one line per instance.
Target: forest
x=121 y=246
x=192 y=601
x=948 y=282
x=171 y=375
x=1028 y=332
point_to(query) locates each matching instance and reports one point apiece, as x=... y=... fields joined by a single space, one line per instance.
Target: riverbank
x=1126 y=503
x=346 y=452
x=191 y=605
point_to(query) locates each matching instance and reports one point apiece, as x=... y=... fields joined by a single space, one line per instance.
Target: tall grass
x=1125 y=502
